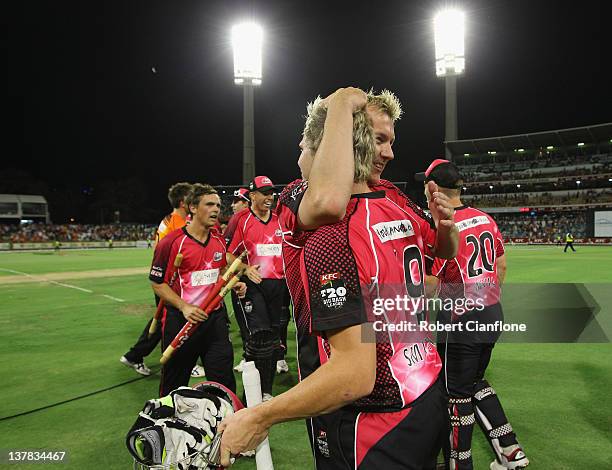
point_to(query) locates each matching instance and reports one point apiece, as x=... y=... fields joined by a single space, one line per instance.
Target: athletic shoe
x=266 y=397
x=240 y=366
x=248 y=453
x=282 y=367
x=198 y=372
x=137 y=366
x=515 y=459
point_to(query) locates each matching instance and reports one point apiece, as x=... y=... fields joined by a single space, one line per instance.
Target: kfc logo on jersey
x=388 y=231
x=325 y=278
x=333 y=292
x=217 y=256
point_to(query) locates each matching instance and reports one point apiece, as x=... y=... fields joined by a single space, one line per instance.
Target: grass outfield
x=62 y=341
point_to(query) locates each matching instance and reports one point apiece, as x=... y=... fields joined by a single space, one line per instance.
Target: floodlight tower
x=449 y=33
x=246 y=41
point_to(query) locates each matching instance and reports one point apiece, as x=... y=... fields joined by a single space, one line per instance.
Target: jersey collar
x=265 y=222
x=195 y=239
x=371 y=195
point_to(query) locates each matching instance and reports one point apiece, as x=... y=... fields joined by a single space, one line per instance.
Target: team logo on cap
x=266 y=180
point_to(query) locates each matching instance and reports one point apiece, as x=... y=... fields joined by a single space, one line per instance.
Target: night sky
x=95 y=114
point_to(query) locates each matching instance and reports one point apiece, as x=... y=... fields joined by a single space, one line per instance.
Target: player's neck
x=455 y=201
x=360 y=188
x=180 y=212
x=198 y=231
x=263 y=215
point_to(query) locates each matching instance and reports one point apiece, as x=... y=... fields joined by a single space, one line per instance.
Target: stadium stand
x=35 y=232
x=541 y=185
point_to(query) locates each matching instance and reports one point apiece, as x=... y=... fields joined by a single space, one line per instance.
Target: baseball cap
x=443 y=172
x=242 y=193
x=261 y=182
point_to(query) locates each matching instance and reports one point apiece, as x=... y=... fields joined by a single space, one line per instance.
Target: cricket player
x=476 y=273
x=204 y=259
x=370 y=404
x=240 y=203
x=175 y=220
x=258 y=232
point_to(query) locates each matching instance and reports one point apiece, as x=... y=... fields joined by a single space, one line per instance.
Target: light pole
x=246 y=41
x=449 y=33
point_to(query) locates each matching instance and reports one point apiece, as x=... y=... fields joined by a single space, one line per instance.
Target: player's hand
x=241 y=432
x=440 y=206
x=351 y=97
x=193 y=313
x=240 y=288
x=253 y=274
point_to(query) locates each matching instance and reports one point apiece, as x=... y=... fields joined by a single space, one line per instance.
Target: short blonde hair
x=364 y=142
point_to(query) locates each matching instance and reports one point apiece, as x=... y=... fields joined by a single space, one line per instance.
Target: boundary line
x=69 y=286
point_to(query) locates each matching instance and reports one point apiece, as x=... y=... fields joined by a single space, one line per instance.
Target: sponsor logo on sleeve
x=278 y=232
x=157 y=271
x=204 y=277
x=333 y=291
x=393 y=230
x=217 y=256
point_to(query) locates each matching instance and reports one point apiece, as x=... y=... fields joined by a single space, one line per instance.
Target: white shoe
x=248 y=453
x=515 y=459
x=137 y=366
x=282 y=367
x=198 y=372
x=240 y=366
x=266 y=397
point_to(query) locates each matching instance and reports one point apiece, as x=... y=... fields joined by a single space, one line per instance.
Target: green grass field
x=60 y=342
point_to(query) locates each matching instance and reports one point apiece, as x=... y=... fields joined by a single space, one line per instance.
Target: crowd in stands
x=38 y=232
x=549 y=225
x=541 y=199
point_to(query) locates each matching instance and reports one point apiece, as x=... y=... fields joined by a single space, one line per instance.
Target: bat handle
x=153 y=327
x=167 y=354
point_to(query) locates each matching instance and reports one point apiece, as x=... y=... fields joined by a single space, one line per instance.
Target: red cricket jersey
x=262 y=240
x=199 y=271
x=334 y=274
x=472 y=274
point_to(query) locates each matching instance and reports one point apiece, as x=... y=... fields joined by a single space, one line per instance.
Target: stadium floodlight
x=466 y=154
x=550 y=147
x=449 y=40
x=580 y=144
x=518 y=185
x=491 y=152
x=247 y=40
x=578 y=182
x=520 y=150
x=449 y=35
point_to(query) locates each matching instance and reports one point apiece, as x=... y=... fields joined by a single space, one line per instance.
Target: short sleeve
x=237 y=239
x=288 y=205
x=161 y=259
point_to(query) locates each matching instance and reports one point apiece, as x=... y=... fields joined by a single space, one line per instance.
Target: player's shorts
x=408 y=439
x=262 y=304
